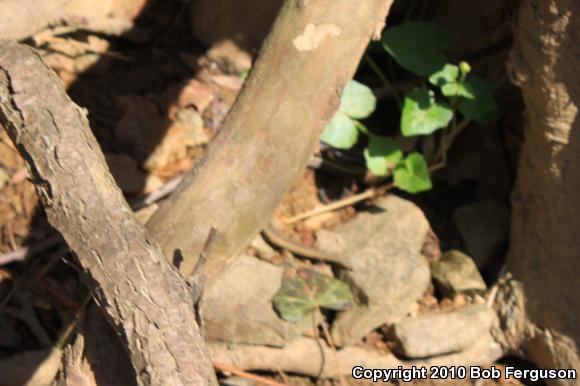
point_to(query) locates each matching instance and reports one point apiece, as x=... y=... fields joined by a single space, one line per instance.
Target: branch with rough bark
x=143 y=297
x=269 y=135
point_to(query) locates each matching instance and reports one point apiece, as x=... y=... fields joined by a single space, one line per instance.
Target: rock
x=264 y=250
x=245 y=22
x=484 y=227
x=238 y=381
x=229 y=57
x=241 y=309
x=442 y=333
x=127 y=175
x=389 y=274
x=191 y=92
x=456 y=272
x=191 y=121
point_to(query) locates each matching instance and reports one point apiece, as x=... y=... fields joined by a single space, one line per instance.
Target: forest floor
x=154 y=107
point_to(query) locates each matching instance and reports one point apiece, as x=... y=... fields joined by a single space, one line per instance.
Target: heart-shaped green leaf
x=330 y=293
x=382 y=154
x=412 y=174
x=341 y=132
x=418 y=46
x=422 y=115
x=292 y=301
x=481 y=107
x=300 y=295
x=357 y=101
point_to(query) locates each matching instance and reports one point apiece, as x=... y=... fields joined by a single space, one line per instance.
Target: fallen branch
x=272 y=130
x=145 y=300
x=304 y=356
x=244 y=374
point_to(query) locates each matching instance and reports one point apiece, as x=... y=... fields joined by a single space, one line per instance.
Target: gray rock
x=442 y=333
x=192 y=123
x=264 y=250
x=456 y=272
x=389 y=274
x=238 y=381
x=238 y=306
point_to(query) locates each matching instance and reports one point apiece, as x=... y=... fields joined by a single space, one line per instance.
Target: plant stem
x=328 y=338
x=381 y=75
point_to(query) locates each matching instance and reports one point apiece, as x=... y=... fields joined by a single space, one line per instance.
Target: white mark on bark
x=313 y=36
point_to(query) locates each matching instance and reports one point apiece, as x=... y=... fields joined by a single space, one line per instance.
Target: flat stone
x=191 y=121
x=389 y=275
x=230 y=57
x=239 y=306
x=456 y=272
x=442 y=333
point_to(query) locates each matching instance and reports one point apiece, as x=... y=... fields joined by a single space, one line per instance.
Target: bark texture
x=545 y=253
x=144 y=298
x=20 y=19
x=265 y=142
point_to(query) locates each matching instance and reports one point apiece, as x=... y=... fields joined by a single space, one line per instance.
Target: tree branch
x=269 y=135
x=147 y=302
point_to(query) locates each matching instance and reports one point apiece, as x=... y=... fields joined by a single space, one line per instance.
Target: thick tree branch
x=146 y=301
x=268 y=137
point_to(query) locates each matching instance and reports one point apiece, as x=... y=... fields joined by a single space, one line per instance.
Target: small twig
x=65 y=334
x=369 y=193
x=211 y=237
x=241 y=373
x=23 y=253
x=330 y=342
x=157 y=195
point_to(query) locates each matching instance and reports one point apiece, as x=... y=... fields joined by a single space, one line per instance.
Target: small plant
x=308 y=292
x=447 y=91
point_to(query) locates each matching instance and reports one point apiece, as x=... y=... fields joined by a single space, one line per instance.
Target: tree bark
x=267 y=138
x=144 y=298
x=544 y=255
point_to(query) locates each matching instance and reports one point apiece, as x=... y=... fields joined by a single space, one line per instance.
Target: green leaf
x=422 y=115
x=481 y=107
x=418 y=46
x=341 y=132
x=382 y=154
x=292 y=301
x=448 y=74
x=448 y=80
x=357 y=101
x=330 y=293
x=300 y=295
x=412 y=175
